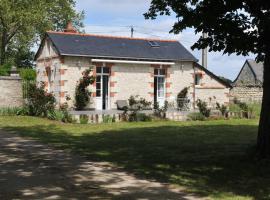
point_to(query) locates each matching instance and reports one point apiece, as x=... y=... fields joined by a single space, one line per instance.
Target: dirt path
x=31 y=170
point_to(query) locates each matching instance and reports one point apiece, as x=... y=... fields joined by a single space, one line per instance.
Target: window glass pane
x=161 y=93
x=161 y=80
x=98 y=93
x=156 y=72
x=162 y=72
x=106 y=70
x=98 y=80
x=160 y=86
x=99 y=70
x=197 y=79
x=98 y=86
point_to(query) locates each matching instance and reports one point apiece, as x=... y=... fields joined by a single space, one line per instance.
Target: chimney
x=70 y=28
x=204 y=53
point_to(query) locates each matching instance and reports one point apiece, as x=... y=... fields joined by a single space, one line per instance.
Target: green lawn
x=212 y=159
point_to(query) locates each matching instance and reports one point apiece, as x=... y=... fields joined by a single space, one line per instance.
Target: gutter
x=133 y=62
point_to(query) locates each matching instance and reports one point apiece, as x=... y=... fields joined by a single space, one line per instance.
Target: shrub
x=196 y=116
x=84 y=119
x=137 y=103
x=181 y=102
x=82 y=94
x=139 y=117
x=28 y=74
x=223 y=109
x=203 y=108
x=5 y=69
x=160 y=112
x=142 y=117
x=39 y=102
x=108 y=119
x=66 y=118
x=9 y=111
x=23 y=111
x=254 y=110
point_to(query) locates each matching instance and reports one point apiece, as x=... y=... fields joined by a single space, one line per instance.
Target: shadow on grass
x=209 y=160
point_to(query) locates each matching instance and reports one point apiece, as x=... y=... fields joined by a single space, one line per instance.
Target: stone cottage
x=247 y=87
x=156 y=70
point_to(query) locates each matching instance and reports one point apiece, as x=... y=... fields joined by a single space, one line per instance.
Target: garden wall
x=247 y=94
x=10 y=91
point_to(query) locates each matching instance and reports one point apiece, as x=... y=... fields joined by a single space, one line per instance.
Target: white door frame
x=160 y=98
x=99 y=95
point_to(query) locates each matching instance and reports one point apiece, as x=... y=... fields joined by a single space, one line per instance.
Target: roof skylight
x=153 y=44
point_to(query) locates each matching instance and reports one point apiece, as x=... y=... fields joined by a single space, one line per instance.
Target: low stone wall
x=247 y=94
x=10 y=91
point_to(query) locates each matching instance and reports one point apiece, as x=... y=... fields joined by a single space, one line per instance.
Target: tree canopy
x=232 y=26
x=23 y=22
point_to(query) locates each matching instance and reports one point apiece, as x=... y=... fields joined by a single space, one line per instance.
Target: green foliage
x=108 y=119
x=139 y=117
x=223 y=109
x=12 y=111
x=39 y=102
x=5 y=69
x=28 y=74
x=182 y=98
x=55 y=115
x=66 y=117
x=204 y=110
x=255 y=109
x=82 y=94
x=160 y=112
x=24 y=22
x=137 y=103
x=246 y=110
x=84 y=119
x=61 y=115
x=238 y=26
x=9 y=111
x=195 y=116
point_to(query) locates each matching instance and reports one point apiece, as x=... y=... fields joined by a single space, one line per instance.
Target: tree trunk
x=3 y=48
x=263 y=141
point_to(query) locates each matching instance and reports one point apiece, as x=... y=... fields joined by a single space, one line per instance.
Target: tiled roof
x=257 y=68
x=75 y=44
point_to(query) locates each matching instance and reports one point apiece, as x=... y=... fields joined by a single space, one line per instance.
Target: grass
x=212 y=159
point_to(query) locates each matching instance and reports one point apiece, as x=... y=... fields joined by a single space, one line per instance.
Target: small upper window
x=198 y=79
x=160 y=72
x=153 y=44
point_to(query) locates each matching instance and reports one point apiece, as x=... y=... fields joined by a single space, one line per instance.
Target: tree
x=23 y=22
x=233 y=26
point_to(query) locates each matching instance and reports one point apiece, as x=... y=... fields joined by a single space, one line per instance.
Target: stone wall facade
x=247 y=94
x=62 y=73
x=10 y=91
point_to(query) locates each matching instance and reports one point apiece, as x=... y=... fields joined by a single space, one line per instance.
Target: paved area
x=31 y=170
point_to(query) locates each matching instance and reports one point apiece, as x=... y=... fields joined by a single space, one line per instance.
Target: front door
x=159 y=87
x=102 y=88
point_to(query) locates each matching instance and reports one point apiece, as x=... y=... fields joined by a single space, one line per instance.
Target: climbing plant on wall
x=82 y=93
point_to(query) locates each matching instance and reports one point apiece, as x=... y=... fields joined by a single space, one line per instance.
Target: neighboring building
x=156 y=70
x=247 y=86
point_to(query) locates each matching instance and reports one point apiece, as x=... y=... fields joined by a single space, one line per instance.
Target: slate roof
x=96 y=46
x=257 y=69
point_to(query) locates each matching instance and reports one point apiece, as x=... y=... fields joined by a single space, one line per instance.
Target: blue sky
x=114 y=17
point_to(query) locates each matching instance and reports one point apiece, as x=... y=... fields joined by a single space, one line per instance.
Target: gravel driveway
x=31 y=170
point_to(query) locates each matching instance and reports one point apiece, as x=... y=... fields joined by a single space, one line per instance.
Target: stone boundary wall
x=247 y=94
x=10 y=91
